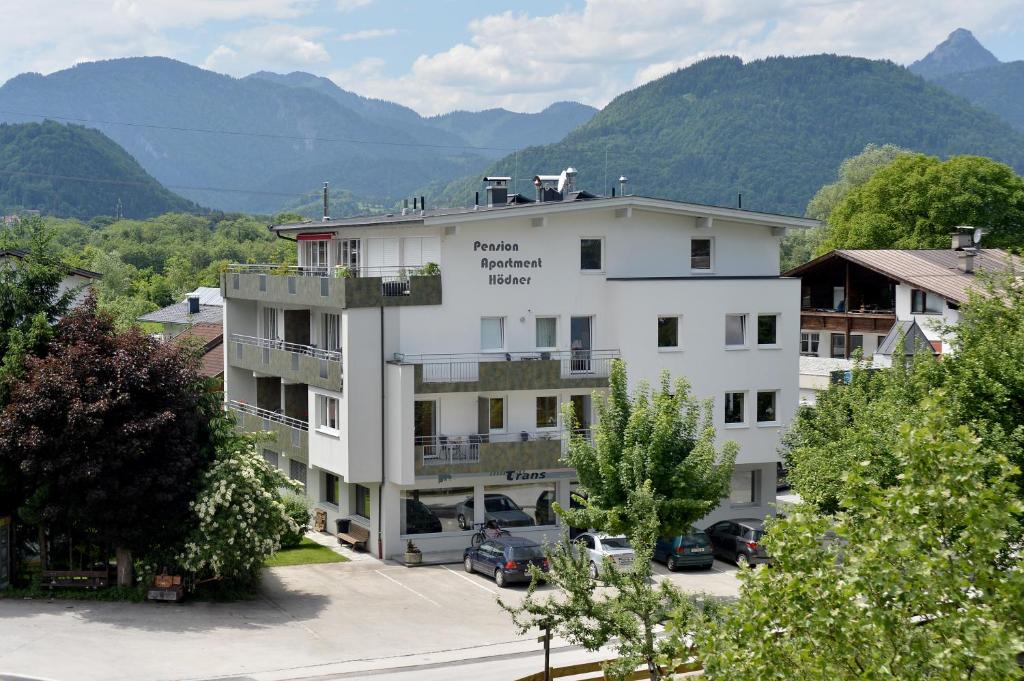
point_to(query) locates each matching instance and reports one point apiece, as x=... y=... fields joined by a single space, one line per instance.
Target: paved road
x=341 y=620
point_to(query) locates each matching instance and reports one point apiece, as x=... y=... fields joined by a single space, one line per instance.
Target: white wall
x=929 y=323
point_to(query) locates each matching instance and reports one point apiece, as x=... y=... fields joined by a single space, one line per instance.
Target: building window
x=519 y=505
x=734 y=412
x=273 y=459
x=700 y=254
x=426 y=511
x=327 y=412
x=922 y=302
x=746 y=488
x=331 y=490
x=591 y=255
x=766 y=408
x=492 y=333
x=767 y=327
x=547 y=332
x=735 y=330
x=547 y=411
x=496 y=414
x=809 y=342
x=270 y=331
x=348 y=254
x=856 y=343
x=838 y=345
x=297 y=471
x=668 y=332
x=880 y=340
x=330 y=331
x=362 y=497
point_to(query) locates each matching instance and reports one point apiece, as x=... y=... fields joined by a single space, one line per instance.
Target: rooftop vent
x=193 y=304
x=497 y=190
x=623 y=181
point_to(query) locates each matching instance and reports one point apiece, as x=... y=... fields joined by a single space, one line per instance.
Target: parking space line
x=471 y=581
x=391 y=579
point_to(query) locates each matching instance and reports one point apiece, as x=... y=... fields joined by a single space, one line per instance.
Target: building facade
x=413 y=367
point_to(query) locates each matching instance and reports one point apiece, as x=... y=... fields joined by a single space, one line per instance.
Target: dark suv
x=738 y=541
x=505 y=558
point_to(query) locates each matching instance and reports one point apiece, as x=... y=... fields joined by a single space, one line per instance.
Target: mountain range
x=50 y=167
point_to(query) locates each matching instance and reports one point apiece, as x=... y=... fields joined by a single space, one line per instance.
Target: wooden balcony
x=854 y=321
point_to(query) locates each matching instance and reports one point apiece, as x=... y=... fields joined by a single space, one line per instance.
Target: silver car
x=606 y=550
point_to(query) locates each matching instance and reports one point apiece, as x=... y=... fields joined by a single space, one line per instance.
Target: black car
x=419 y=519
x=738 y=541
x=505 y=558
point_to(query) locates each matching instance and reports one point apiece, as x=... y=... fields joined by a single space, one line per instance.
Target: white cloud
x=352 y=5
x=274 y=47
x=368 y=34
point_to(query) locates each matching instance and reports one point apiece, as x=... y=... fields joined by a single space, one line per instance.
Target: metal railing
x=297 y=348
x=465 y=367
x=383 y=271
x=446 y=449
x=268 y=415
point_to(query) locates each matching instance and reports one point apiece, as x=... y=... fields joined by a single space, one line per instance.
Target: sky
x=441 y=55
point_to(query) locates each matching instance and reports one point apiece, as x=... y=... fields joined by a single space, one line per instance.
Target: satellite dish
x=977 y=235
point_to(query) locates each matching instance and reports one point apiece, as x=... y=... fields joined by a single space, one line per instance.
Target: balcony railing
x=394 y=278
x=268 y=416
x=437 y=450
x=297 y=348
x=456 y=368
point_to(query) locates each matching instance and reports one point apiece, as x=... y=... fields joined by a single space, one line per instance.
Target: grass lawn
x=306 y=553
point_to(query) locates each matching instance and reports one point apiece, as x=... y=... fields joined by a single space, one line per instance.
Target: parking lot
x=309 y=621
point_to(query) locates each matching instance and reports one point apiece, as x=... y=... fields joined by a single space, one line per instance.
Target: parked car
x=685 y=550
x=419 y=519
x=497 y=507
x=602 y=549
x=737 y=540
x=545 y=512
x=506 y=559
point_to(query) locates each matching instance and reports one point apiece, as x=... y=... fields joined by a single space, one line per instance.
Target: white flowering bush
x=239 y=515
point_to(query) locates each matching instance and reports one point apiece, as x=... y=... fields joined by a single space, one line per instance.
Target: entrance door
x=425 y=427
x=581 y=408
x=580 y=341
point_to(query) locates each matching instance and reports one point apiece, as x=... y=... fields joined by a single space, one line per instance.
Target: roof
x=208 y=295
x=933 y=270
x=913 y=339
x=578 y=201
x=211 y=338
x=20 y=253
x=211 y=309
x=823 y=366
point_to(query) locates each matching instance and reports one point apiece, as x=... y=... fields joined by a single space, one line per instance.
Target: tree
x=652 y=470
x=108 y=434
x=914 y=581
x=853 y=173
x=916 y=201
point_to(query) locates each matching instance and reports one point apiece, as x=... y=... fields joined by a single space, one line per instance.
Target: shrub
x=297 y=508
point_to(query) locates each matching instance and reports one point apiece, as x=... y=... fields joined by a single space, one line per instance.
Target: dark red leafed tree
x=108 y=435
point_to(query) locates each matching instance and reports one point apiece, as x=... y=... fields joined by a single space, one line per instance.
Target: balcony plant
x=343 y=272
x=413 y=555
x=431 y=269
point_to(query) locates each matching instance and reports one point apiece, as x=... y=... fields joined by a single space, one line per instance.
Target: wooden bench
x=76 y=579
x=354 y=534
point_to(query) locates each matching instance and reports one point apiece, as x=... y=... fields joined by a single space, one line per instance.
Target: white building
x=408 y=400
x=75 y=279
x=853 y=299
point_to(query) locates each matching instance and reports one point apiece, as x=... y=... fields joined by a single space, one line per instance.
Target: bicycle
x=480 y=536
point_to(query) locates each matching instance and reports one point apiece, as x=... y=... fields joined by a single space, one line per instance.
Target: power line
x=242 y=133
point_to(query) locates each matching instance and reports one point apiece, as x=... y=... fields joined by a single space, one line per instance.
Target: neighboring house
x=399 y=395
x=202 y=306
x=853 y=299
x=209 y=338
x=76 y=278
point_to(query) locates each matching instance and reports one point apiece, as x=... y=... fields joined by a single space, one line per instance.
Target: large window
x=521 y=505
x=735 y=330
x=547 y=411
x=270 y=331
x=767 y=328
x=315 y=253
x=809 y=342
x=547 y=333
x=746 y=488
x=332 y=489
x=766 y=408
x=591 y=255
x=492 y=333
x=297 y=471
x=838 y=345
x=922 y=302
x=330 y=331
x=668 y=333
x=496 y=414
x=424 y=511
x=362 y=501
x=326 y=412
x=700 y=254
x=856 y=343
x=348 y=254
x=272 y=458
x=735 y=414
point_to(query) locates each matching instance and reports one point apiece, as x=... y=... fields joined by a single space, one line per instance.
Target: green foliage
x=774 y=130
x=853 y=172
x=31 y=152
x=297 y=508
x=306 y=552
x=912 y=582
x=998 y=89
x=916 y=201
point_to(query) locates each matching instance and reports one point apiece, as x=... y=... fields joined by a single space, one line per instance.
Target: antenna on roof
x=739 y=200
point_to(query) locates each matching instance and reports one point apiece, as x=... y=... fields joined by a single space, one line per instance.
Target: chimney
x=965 y=260
x=193 y=304
x=327 y=211
x=423 y=205
x=623 y=181
x=497 y=190
x=963 y=238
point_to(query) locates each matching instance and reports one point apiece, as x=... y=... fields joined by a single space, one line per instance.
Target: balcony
x=290 y=361
x=338 y=287
x=858 y=321
x=291 y=436
x=495 y=454
x=537 y=370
